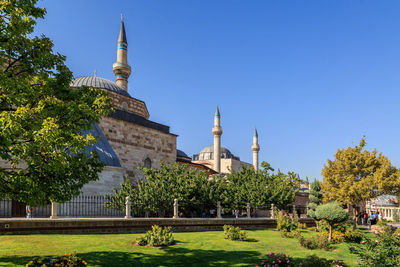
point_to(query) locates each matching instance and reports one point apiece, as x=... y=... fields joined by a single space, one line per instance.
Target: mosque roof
x=211 y=149
x=97 y=82
x=180 y=153
x=103 y=148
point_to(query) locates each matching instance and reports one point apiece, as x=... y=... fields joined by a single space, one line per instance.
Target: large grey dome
x=207 y=153
x=98 y=82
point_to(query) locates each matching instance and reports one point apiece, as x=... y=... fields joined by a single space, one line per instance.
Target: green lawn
x=192 y=249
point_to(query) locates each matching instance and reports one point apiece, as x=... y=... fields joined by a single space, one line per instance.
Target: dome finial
x=94 y=72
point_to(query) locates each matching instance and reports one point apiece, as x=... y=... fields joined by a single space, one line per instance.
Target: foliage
x=234 y=233
x=315 y=261
x=43 y=122
x=381 y=223
x=315 y=198
x=319 y=241
x=69 y=260
x=156 y=237
x=285 y=223
x=357 y=175
x=332 y=213
x=396 y=217
x=277 y=260
x=302 y=225
x=260 y=188
x=382 y=251
x=337 y=237
x=193 y=189
x=353 y=236
x=292 y=234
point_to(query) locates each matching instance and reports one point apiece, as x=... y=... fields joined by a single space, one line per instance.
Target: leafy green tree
x=332 y=213
x=42 y=120
x=261 y=188
x=194 y=190
x=315 y=198
x=357 y=175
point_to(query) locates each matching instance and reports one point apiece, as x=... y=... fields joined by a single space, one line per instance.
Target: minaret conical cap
x=255 y=132
x=122 y=34
x=217 y=113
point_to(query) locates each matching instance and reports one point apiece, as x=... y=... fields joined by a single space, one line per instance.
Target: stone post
x=175 y=208
x=219 y=210
x=294 y=211
x=128 y=207
x=248 y=210
x=273 y=211
x=53 y=210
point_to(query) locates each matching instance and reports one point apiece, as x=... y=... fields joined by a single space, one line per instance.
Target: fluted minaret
x=121 y=68
x=217 y=132
x=255 y=147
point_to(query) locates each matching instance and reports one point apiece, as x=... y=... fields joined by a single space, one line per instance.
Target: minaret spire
x=217 y=132
x=121 y=69
x=255 y=148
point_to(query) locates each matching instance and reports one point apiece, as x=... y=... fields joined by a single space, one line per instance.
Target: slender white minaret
x=121 y=69
x=255 y=147
x=217 y=132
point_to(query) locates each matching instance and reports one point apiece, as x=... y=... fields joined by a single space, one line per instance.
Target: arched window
x=124 y=106
x=147 y=163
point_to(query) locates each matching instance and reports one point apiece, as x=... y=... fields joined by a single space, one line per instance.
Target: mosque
x=128 y=139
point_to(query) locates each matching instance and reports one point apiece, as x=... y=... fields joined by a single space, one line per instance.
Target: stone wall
x=134 y=105
x=109 y=178
x=77 y=226
x=134 y=143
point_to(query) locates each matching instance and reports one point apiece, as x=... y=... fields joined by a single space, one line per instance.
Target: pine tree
x=315 y=198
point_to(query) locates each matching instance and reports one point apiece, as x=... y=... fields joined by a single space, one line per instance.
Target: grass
x=192 y=249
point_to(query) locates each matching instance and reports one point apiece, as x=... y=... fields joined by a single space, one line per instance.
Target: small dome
x=211 y=149
x=97 y=82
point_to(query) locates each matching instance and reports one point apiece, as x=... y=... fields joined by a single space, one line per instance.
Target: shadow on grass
x=173 y=256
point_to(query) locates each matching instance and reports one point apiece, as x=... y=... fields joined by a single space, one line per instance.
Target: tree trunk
x=330 y=233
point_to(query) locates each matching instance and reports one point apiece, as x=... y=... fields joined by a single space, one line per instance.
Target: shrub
x=396 y=215
x=337 y=237
x=383 y=250
x=292 y=234
x=315 y=261
x=156 y=237
x=234 y=233
x=319 y=241
x=302 y=225
x=277 y=260
x=333 y=214
x=321 y=226
x=69 y=260
x=284 y=223
x=353 y=236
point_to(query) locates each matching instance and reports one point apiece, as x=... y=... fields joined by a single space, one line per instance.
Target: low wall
x=136 y=225
x=65 y=226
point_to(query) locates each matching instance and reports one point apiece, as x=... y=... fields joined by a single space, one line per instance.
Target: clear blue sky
x=312 y=76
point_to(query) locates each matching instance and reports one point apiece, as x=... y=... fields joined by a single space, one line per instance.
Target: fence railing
x=81 y=206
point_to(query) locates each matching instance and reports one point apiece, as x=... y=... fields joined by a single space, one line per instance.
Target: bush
x=383 y=250
x=234 y=233
x=156 y=237
x=69 y=260
x=396 y=215
x=284 y=223
x=315 y=261
x=302 y=225
x=332 y=213
x=277 y=260
x=293 y=234
x=337 y=237
x=319 y=241
x=321 y=226
x=353 y=236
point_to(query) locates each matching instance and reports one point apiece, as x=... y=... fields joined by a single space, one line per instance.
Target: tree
x=315 y=198
x=42 y=121
x=261 y=188
x=193 y=189
x=332 y=213
x=357 y=175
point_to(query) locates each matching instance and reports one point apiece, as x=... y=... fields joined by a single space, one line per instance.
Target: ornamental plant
x=234 y=233
x=315 y=261
x=70 y=260
x=276 y=260
x=315 y=198
x=333 y=214
x=383 y=250
x=156 y=237
x=319 y=241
